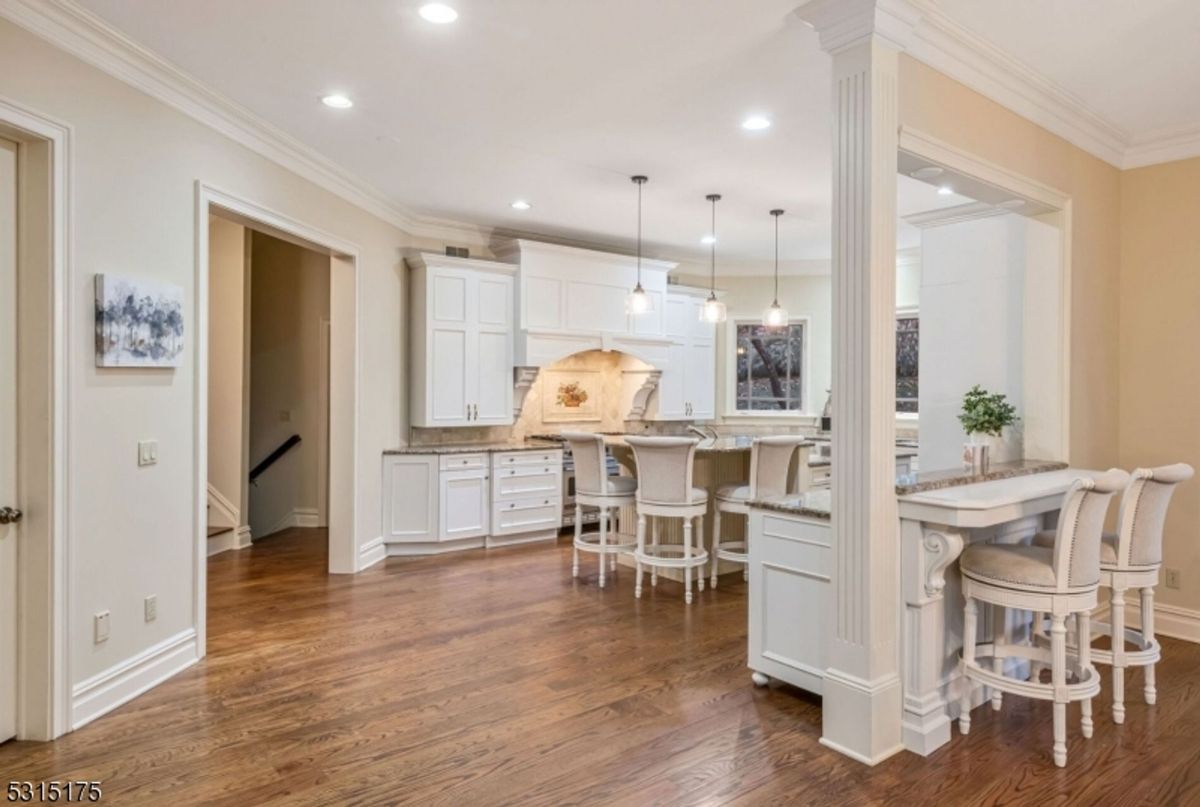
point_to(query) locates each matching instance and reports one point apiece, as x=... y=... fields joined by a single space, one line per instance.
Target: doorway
x=341 y=262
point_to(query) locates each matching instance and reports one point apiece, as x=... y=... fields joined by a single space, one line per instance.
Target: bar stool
x=1061 y=580
x=770 y=463
x=595 y=488
x=664 y=468
x=1130 y=559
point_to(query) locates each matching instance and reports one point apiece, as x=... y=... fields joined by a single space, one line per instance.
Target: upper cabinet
x=688 y=387
x=570 y=300
x=462 y=342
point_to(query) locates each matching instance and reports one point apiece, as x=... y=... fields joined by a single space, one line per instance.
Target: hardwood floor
x=491 y=678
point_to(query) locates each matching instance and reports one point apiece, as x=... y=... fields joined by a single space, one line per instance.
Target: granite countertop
x=477 y=448
x=812 y=504
x=923 y=481
x=722 y=445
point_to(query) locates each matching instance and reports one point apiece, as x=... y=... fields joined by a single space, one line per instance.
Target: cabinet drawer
x=529 y=515
x=798 y=545
x=544 y=483
x=520 y=458
x=463 y=462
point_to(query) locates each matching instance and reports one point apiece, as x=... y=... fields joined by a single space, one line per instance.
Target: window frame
x=911 y=313
x=730 y=403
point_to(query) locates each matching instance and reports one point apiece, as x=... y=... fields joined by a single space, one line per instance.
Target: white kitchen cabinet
x=526 y=496
x=790 y=562
x=462 y=342
x=465 y=498
x=688 y=387
x=410 y=498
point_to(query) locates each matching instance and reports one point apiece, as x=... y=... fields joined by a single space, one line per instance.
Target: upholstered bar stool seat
x=665 y=468
x=595 y=488
x=772 y=465
x=1130 y=559
x=1061 y=580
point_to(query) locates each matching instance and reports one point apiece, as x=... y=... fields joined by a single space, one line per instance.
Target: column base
x=861 y=719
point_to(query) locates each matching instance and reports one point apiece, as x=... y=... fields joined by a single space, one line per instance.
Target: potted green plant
x=984 y=415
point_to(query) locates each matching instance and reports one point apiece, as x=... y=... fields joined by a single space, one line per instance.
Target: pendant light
x=776 y=316
x=638 y=301
x=713 y=310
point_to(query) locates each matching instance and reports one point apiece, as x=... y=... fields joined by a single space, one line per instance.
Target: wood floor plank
x=494 y=678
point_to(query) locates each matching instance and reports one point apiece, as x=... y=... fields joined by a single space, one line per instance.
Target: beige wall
x=134 y=168
x=949 y=111
x=1160 y=365
x=227 y=426
x=289 y=299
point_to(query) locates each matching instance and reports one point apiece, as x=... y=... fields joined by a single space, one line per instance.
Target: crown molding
x=77 y=31
x=953 y=215
x=1163 y=146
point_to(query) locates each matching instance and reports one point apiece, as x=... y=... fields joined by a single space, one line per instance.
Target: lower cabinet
x=438 y=503
x=790 y=563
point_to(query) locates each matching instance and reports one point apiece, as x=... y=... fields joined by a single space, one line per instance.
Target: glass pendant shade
x=713 y=310
x=638 y=301
x=776 y=316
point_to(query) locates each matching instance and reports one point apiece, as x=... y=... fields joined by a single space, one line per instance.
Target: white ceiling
x=1135 y=62
x=560 y=102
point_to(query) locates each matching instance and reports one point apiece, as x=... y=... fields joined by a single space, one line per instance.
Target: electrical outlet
x=101 y=625
x=147 y=452
x=1172 y=578
x=285 y=416
x=151 y=607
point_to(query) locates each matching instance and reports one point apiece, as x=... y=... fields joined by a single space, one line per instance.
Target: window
x=770 y=368
x=908 y=352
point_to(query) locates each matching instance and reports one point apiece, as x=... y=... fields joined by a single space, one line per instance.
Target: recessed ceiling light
x=945 y=190
x=928 y=172
x=337 y=101
x=439 y=13
x=756 y=123
x=520 y=204
x=708 y=239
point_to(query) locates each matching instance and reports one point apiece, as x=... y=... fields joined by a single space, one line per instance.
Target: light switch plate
x=147 y=452
x=101 y=625
x=151 y=607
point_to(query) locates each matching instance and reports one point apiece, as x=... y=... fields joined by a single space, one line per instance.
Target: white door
x=464 y=504
x=701 y=380
x=8 y=438
x=449 y=347
x=492 y=360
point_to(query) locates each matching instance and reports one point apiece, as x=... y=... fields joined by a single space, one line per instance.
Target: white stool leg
x=613 y=529
x=603 y=542
x=687 y=556
x=1058 y=674
x=1148 y=636
x=1117 y=600
x=578 y=534
x=999 y=626
x=1084 y=640
x=641 y=545
x=970 y=613
x=716 y=542
x=1036 y=631
x=654 y=569
x=700 y=543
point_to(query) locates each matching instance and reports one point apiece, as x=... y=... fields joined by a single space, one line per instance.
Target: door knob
x=10 y=515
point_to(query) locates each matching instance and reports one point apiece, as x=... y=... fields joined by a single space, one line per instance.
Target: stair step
x=212 y=531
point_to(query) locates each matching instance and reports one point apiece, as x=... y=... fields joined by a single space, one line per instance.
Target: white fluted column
x=863 y=698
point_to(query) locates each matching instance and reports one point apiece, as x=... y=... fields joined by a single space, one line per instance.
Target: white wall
x=133 y=172
x=974 y=329
x=289 y=298
x=227 y=426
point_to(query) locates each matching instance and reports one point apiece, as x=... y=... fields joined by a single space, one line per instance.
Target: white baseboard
x=371 y=553
x=307 y=517
x=1169 y=620
x=123 y=682
x=234 y=539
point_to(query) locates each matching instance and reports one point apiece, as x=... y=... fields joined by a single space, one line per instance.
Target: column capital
x=841 y=24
